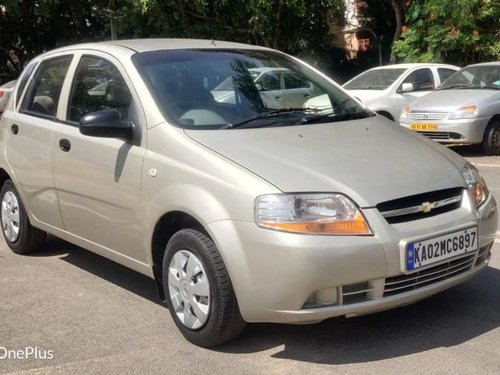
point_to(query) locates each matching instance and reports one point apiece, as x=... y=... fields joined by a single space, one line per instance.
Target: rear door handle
x=64 y=145
x=14 y=129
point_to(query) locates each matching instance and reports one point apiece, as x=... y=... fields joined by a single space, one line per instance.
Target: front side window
x=98 y=85
x=293 y=81
x=445 y=73
x=216 y=89
x=421 y=79
x=43 y=94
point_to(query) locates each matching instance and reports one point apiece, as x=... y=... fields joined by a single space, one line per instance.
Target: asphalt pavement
x=87 y=315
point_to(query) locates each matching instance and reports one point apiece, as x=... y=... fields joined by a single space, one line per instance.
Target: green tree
x=461 y=32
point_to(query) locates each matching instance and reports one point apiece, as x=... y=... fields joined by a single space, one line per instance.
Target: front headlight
x=333 y=214
x=470 y=111
x=476 y=186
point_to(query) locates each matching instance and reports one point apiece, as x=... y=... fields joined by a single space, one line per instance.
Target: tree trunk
x=277 y=32
x=398 y=14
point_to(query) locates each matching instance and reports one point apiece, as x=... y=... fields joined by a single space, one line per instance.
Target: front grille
x=428 y=115
x=421 y=206
x=441 y=136
x=405 y=283
x=355 y=293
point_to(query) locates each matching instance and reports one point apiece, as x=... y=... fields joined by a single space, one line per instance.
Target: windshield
x=376 y=79
x=474 y=77
x=211 y=89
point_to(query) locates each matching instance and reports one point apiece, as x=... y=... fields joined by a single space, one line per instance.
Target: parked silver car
x=465 y=109
x=239 y=212
x=387 y=89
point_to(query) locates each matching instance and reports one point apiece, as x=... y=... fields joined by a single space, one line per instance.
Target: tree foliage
x=459 y=32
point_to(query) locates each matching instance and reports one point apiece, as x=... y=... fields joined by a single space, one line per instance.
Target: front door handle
x=64 y=145
x=14 y=129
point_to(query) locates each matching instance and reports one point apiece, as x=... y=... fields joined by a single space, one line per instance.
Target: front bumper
x=276 y=274
x=466 y=131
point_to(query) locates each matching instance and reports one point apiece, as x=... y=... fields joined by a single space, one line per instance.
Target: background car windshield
x=217 y=88
x=378 y=79
x=482 y=76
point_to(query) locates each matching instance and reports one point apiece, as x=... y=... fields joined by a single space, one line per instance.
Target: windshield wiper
x=333 y=117
x=457 y=86
x=270 y=114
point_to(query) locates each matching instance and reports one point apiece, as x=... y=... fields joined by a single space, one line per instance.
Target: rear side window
x=98 y=85
x=45 y=88
x=421 y=79
x=445 y=73
x=24 y=80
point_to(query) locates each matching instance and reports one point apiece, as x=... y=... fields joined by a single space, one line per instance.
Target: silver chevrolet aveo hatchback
x=250 y=208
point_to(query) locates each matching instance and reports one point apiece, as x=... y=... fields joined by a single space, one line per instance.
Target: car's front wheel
x=491 y=138
x=199 y=292
x=21 y=237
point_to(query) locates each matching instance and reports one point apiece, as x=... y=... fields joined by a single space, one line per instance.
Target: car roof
x=156 y=44
x=493 y=63
x=414 y=65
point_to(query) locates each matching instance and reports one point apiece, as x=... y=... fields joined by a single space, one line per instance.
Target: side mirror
x=258 y=86
x=407 y=87
x=106 y=123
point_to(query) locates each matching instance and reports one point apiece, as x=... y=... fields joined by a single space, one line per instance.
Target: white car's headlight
x=332 y=214
x=405 y=113
x=476 y=186
x=470 y=111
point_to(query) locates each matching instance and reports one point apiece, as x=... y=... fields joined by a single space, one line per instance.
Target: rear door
x=30 y=136
x=296 y=91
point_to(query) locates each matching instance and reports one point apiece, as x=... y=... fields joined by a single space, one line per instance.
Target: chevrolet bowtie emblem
x=426 y=206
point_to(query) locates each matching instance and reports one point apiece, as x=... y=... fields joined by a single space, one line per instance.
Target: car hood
x=371 y=160
x=449 y=100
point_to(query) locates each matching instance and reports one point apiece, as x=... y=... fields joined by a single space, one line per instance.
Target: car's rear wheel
x=491 y=138
x=199 y=292
x=21 y=237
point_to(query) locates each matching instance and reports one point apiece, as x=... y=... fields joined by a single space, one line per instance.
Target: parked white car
x=387 y=89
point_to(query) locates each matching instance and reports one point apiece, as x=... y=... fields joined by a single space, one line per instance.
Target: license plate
x=425 y=252
x=423 y=126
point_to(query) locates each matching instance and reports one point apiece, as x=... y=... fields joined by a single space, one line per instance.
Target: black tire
x=224 y=321
x=29 y=239
x=491 y=138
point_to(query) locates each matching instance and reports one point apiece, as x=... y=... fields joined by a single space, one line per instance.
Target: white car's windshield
x=210 y=89
x=376 y=79
x=474 y=77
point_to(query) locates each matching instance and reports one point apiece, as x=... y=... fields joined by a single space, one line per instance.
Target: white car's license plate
x=425 y=252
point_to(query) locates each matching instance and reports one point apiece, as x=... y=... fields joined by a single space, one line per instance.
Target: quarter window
x=24 y=80
x=421 y=79
x=98 y=85
x=45 y=88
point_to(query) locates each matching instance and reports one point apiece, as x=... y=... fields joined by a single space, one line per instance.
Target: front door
x=98 y=179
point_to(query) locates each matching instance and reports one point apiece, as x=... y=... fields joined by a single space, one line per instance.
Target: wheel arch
x=385 y=114
x=166 y=226
x=4 y=176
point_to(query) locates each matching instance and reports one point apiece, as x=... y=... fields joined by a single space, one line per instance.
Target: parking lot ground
x=98 y=317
